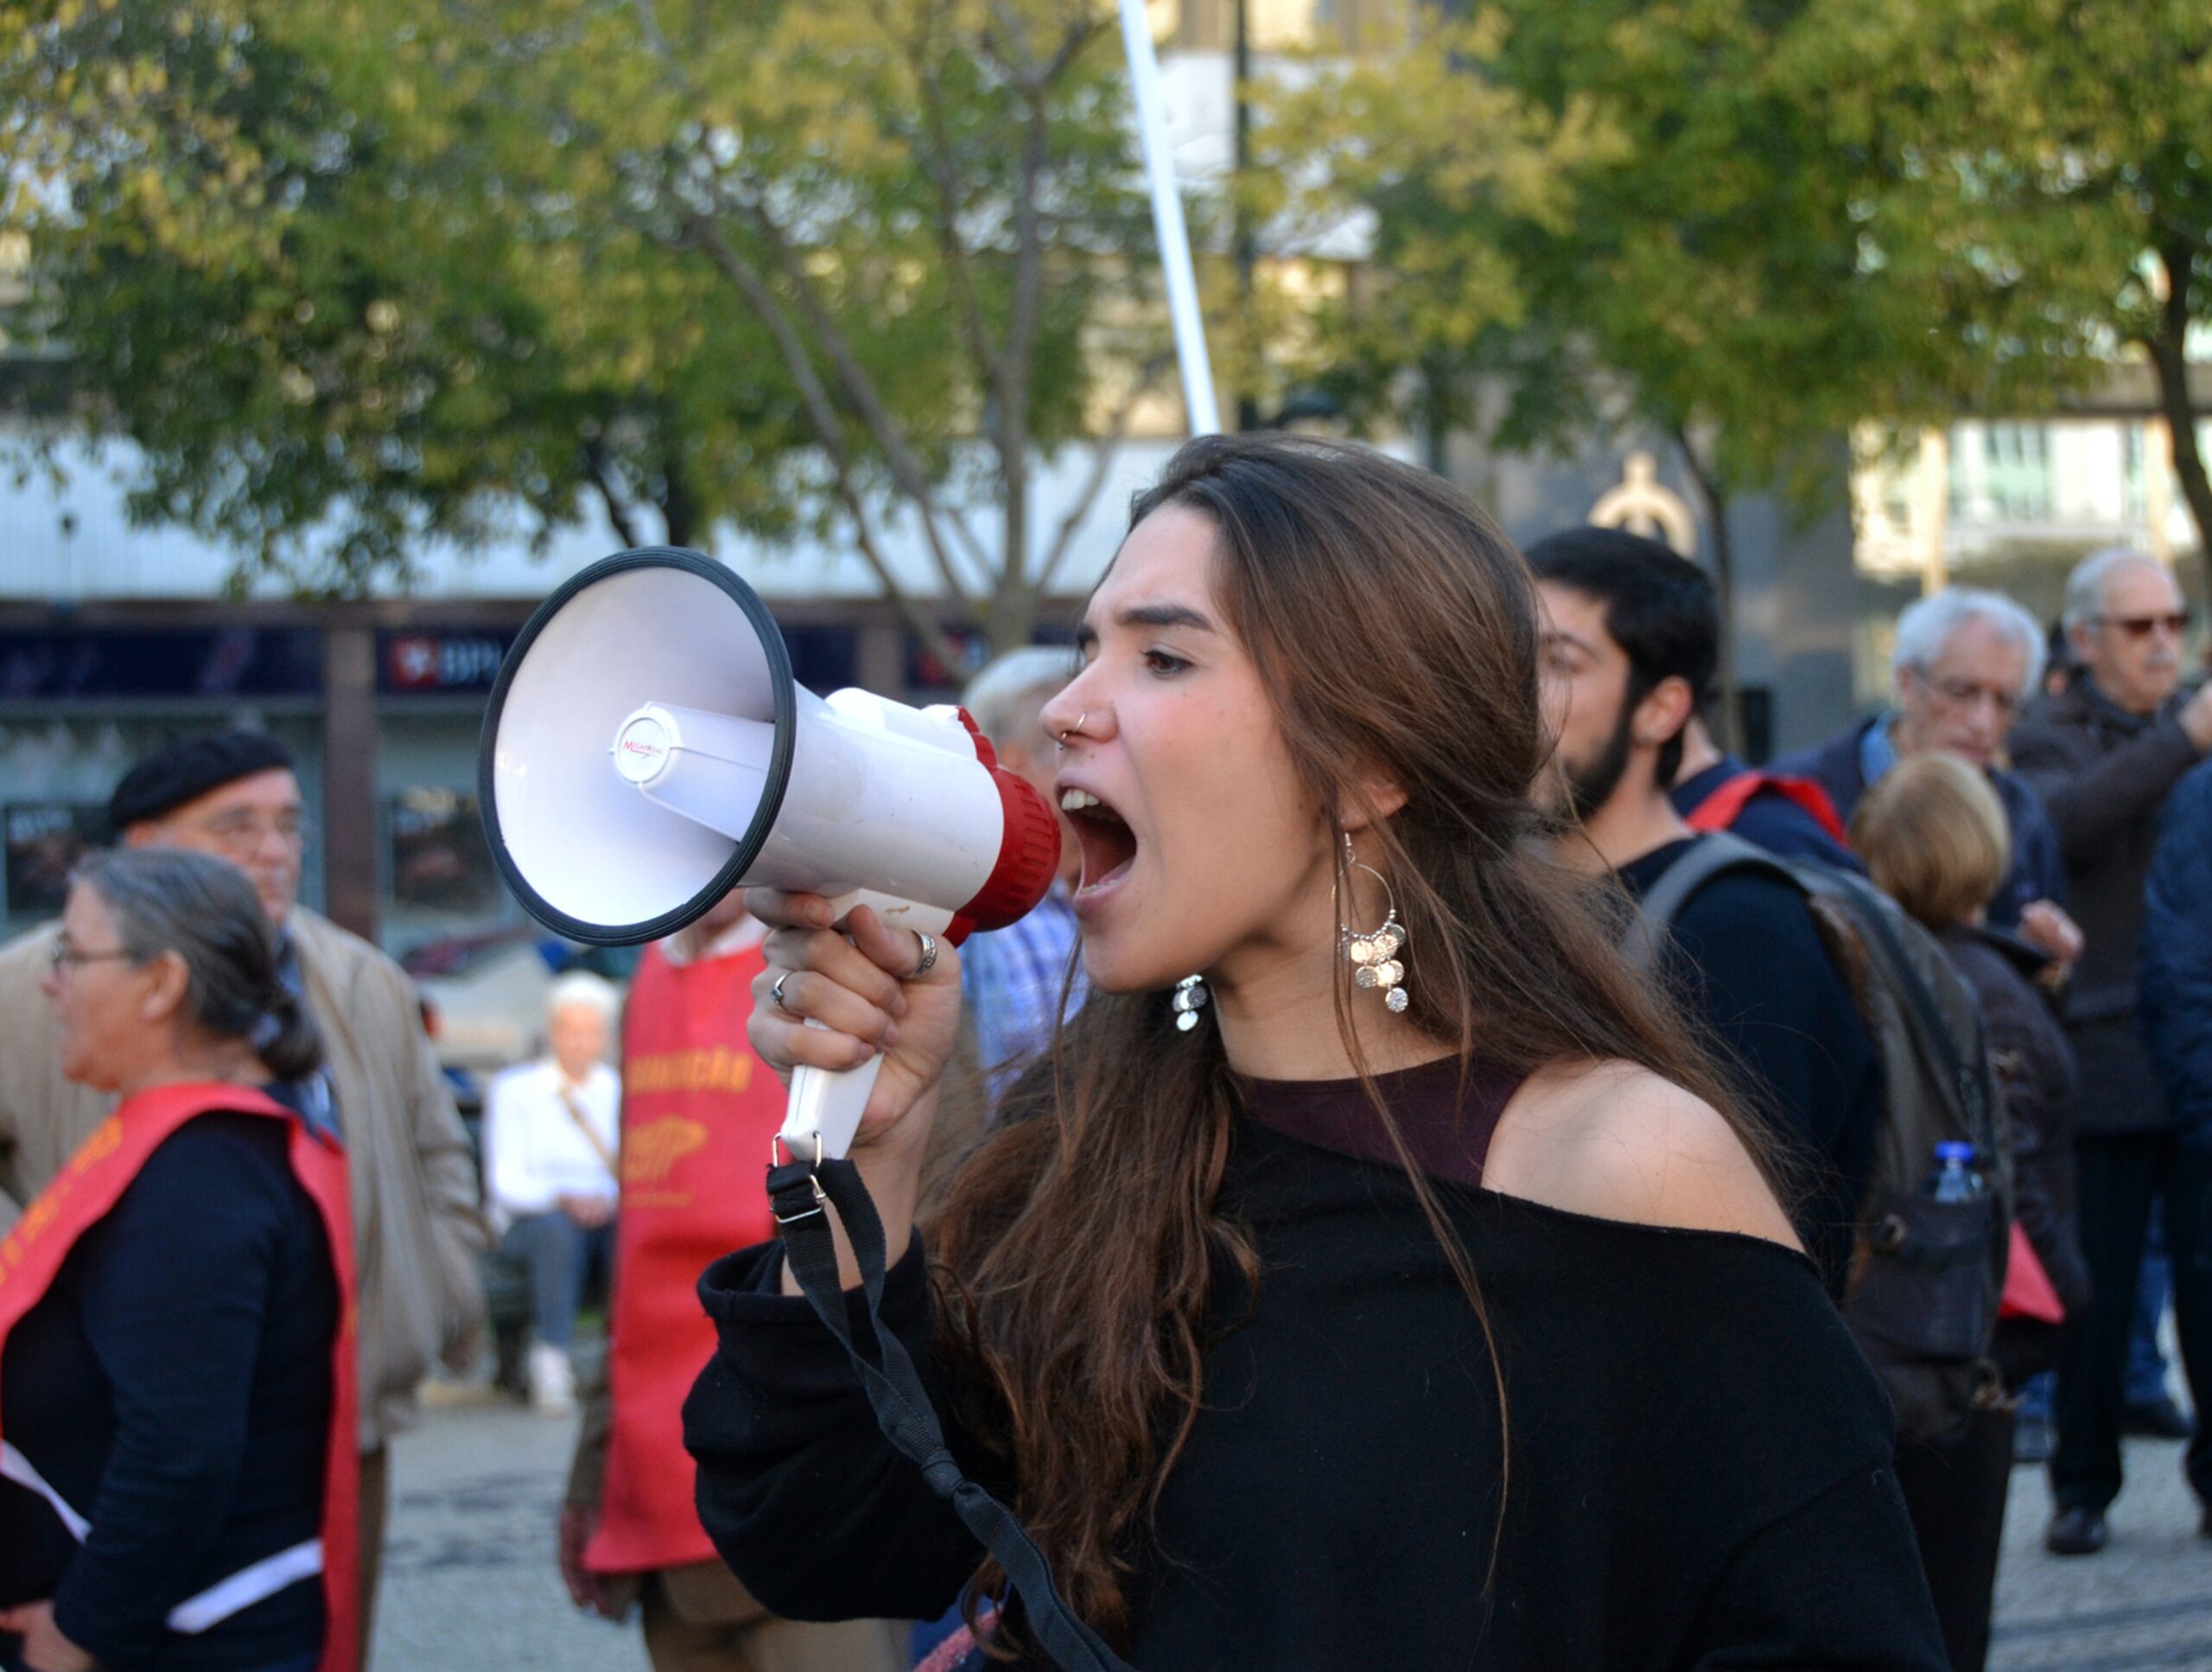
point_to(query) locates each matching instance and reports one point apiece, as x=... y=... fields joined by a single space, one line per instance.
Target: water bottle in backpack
x=1955 y=1178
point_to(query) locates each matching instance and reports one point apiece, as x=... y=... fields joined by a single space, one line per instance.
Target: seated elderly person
x=550 y=1135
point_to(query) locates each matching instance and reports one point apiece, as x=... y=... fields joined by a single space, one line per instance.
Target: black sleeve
x=1764 y=981
x=805 y=1499
x=1759 y=974
x=1835 y=1584
x=175 y=1291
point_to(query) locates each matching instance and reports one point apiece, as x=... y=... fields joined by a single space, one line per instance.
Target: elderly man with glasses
x=2104 y=754
x=1964 y=662
x=234 y=795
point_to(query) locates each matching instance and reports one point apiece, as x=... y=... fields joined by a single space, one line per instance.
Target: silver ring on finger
x=929 y=956
x=777 y=993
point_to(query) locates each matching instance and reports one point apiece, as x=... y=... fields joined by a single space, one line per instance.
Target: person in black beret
x=235 y=794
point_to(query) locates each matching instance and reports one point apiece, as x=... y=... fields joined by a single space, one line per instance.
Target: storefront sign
x=44 y=667
x=43 y=841
x=415 y=662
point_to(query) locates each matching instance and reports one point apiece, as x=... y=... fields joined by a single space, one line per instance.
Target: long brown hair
x=1395 y=629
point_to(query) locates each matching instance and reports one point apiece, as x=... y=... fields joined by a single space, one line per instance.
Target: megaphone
x=646 y=751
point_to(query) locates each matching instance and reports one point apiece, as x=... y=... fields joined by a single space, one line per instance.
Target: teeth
x=1074 y=801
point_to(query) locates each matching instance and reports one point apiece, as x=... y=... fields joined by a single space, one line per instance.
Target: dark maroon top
x=1446 y=1120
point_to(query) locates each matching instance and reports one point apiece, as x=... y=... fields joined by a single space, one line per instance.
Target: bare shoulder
x=1615 y=1141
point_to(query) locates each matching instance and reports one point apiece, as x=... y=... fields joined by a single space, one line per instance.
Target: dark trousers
x=2117 y=1176
x=1954 y=1491
x=561 y=1256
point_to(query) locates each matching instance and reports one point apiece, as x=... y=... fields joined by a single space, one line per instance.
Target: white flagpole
x=1198 y=398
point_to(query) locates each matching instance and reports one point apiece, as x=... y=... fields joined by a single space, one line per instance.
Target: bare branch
x=749 y=281
x=1108 y=449
x=933 y=150
x=603 y=475
x=907 y=471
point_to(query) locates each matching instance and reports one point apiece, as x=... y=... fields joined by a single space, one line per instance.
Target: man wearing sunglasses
x=2103 y=754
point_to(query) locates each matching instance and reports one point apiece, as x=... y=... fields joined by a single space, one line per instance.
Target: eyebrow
x=1146 y=615
x=1562 y=636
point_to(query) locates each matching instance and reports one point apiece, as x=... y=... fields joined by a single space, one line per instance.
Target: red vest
x=698 y=1112
x=83 y=1191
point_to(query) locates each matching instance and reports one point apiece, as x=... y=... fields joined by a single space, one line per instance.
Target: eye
x=1165 y=664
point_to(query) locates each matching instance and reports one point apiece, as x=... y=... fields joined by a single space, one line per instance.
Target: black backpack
x=1926 y=1276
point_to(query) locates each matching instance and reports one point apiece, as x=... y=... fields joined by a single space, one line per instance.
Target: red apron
x=698 y=1112
x=82 y=1195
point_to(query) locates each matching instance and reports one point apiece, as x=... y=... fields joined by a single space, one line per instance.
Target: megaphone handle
x=826 y=1104
x=825 y=1109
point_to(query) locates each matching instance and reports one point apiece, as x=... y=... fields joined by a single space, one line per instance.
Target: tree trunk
x=2170 y=357
x=1436 y=417
x=679 y=508
x=601 y=469
x=1243 y=245
x=1726 y=725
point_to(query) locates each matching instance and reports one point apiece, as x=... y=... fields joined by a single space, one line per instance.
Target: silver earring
x=1373 y=955
x=1191 y=997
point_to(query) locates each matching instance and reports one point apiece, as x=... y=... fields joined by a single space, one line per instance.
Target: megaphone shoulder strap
x=798 y=1191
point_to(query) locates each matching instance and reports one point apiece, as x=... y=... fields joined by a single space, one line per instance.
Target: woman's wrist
x=891 y=1168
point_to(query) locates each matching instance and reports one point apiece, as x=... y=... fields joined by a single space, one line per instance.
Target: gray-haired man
x=1966 y=661
x=2103 y=756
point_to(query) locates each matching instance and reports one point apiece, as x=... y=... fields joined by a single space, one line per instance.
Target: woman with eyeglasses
x=177 y=1448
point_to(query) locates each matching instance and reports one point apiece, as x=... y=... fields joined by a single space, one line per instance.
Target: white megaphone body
x=646 y=751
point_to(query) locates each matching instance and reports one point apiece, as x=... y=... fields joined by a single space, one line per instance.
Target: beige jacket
x=416 y=1230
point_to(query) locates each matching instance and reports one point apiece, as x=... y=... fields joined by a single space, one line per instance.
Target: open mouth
x=1110 y=847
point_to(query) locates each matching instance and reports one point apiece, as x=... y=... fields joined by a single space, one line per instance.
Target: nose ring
x=1073 y=730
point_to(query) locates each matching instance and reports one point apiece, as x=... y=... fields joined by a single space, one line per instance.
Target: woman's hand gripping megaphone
x=860 y=989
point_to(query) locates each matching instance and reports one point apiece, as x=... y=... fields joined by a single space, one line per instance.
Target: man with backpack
x=1880 y=1085
x=1632 y=642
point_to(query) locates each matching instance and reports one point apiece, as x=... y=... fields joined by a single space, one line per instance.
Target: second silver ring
x=776 y=992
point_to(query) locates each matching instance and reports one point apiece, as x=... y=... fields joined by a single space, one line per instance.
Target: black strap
x=799 y=1192
x=1924 y=1016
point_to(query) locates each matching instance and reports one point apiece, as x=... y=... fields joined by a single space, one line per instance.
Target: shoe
x=552 y=1381
x=2161 y=1419
x=2034 y=1439
x=2075 y=1533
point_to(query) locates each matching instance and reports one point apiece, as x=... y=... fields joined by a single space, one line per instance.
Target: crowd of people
x=1440 y=1068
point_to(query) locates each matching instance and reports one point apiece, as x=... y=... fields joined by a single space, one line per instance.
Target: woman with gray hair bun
x=178 y=1465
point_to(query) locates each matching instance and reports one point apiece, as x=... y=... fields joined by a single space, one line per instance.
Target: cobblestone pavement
x=469 y=1582
x=470 y=1587
x=2145 y=1601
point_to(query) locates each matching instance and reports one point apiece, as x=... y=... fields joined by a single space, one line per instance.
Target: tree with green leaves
x=1440 y=169
x=2052 y=160
x=334 y=357
x=853 y=264
x=1692 y=264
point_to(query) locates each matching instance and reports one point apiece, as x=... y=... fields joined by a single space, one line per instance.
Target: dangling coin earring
x=1191 y=997
x=1373 y=955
